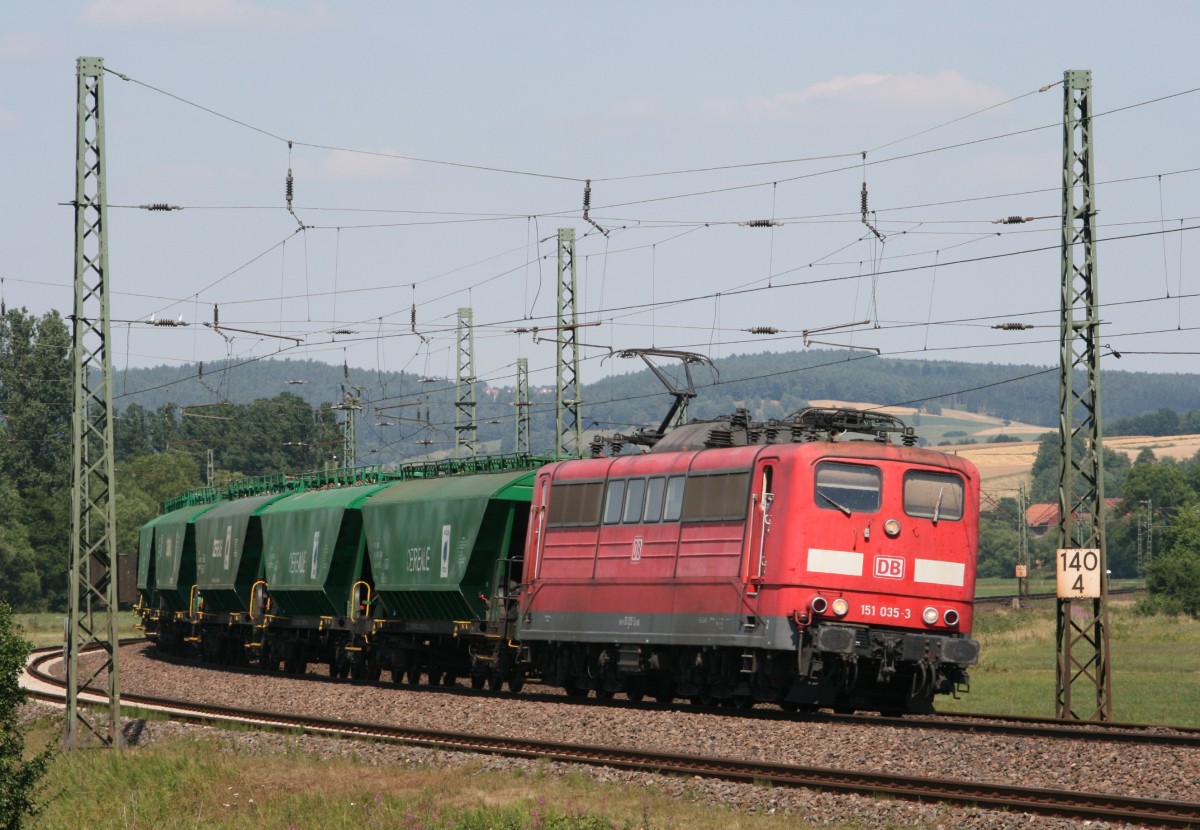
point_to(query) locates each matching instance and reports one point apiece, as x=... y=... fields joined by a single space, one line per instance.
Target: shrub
x=18 y=778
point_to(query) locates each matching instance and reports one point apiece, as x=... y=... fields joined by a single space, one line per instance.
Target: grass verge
x=188 y=783
x=1154 y=666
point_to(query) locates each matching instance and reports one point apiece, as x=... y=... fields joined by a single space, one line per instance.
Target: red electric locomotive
x=741 y=562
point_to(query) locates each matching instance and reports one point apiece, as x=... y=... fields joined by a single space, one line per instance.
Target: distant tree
x=999 y=544
x=143 y=484
x=1164 y=484
x=19 y=778
x=1045 y=469
x=20 y=580
x=1175 y=576
x=36 y=393
x=131 y=433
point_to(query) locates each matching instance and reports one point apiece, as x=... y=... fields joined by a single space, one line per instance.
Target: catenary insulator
x=760 y=223
x=763 y=330
x=160 y=206
x=1013 y=220
x=1013 y=326
x=413 y=318
x=864 y=201
x=587 y=197
x=216 y=315
x=289 y=189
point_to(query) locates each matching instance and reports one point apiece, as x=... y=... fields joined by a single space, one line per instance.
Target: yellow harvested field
x=1001 y=466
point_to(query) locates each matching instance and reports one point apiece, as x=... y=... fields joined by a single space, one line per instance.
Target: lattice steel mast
x=1023 y=549
x=569 y=429
x=1083 y=682
x=351 y=407
x=465 y=425
x=91 y=624
x=522 y=405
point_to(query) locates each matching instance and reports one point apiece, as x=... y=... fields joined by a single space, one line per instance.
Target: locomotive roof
x=718 y=458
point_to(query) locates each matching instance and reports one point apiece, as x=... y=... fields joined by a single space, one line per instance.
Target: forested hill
x=770 y=384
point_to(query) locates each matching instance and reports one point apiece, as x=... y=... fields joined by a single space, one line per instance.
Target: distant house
x=1040 y=518
x=1043 y=516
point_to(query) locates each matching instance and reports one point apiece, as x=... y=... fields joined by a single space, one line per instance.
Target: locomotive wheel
x=414 y=676
x=449 y=679
x=577 y=691
x=635 y=695
x=665 y=697
x=495 y=682
x=789 y=706
x=604 y=694
x=478 y=681
x=516 y=682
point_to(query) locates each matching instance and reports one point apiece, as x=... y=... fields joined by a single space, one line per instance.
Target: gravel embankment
x=1152 y=772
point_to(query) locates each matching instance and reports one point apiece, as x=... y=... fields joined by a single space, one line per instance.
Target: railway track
x=1040 y=801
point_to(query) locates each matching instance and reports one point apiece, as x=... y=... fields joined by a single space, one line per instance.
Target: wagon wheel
x=516 y=681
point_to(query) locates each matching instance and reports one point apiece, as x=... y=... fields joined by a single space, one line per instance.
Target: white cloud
x=367 y=164
x=188 y=13
x=24 y=46
x=946 y=90
x=637 y=106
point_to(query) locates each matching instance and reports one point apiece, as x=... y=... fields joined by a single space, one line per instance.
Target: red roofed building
x=1043 y=516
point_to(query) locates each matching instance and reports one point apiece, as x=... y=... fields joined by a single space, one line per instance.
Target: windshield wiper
x=829 y=499
x=937 y=508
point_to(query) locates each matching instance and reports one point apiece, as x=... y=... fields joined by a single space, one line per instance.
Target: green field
x=47 y=629
x=1154 y=666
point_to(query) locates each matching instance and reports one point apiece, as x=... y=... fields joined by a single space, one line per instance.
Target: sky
x=436 y=149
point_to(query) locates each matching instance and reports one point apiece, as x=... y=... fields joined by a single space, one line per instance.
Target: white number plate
x=886 y=612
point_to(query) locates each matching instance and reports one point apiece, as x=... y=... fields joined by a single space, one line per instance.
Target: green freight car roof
x=162 y=538
x=300 y=532
x=220 y=538
x=421 y=533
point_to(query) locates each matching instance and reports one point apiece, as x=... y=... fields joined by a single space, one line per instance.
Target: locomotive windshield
x=849 y=488
x=933 y=495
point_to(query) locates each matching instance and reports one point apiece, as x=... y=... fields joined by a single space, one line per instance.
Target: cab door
x=754 y=559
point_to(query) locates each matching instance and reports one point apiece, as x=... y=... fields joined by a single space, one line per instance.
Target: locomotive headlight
x=892 y=528
x=930 y=615
x=950 y=617
x=841 y=607
x=819 y=605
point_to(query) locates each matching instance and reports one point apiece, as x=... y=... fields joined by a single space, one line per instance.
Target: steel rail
x=1041 y=801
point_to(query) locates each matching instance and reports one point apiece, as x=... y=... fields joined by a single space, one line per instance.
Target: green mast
x=1084 y=688
x=91 y=625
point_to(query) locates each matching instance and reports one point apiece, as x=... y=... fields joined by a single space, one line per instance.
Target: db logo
x=889 y=567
